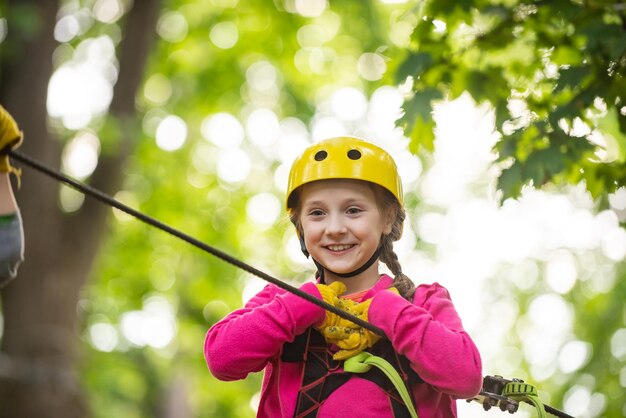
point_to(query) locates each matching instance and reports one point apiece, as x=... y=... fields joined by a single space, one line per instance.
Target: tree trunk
x=40 y=341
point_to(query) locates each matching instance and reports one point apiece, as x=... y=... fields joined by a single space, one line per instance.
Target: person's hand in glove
x=353 y=341
x=337 y=327
x=330 y=293
x=11 y=138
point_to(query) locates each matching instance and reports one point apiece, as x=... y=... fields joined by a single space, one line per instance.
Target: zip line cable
x=105 y=198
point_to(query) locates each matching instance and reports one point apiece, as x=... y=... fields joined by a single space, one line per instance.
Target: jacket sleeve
x=11 y=247
x=248 y=338
x=430 y=334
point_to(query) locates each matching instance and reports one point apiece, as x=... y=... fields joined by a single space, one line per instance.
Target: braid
x=403 y=283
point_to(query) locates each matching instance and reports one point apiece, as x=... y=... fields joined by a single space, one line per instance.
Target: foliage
x=554 y=72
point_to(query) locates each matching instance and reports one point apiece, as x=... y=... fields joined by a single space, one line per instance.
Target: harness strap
x=322 y=375
x=363 y=362
x=318 y=379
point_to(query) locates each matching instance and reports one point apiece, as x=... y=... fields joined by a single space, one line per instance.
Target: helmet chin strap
x=321 y=267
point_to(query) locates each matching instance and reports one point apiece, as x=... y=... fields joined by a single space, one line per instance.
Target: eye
x=315 y=212
x=353 y=210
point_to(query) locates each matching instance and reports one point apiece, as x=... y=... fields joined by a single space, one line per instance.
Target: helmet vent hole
x=354 y=154
x=320 y=155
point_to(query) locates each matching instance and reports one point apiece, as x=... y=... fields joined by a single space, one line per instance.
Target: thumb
x=338 y=287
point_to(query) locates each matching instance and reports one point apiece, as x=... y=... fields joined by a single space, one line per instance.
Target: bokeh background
x=506 y=118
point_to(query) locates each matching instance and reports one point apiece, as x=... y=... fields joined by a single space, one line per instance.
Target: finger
x=345 y=323
x=361 y=308
x=370 y=338
x=338 y=287
x=351 y=342
x=337 y=333
x=345 y=354
x=345 y=303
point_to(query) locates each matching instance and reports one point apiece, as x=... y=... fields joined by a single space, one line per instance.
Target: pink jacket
x=428 y=332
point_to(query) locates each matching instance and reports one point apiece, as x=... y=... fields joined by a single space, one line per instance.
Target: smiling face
x=342 y=226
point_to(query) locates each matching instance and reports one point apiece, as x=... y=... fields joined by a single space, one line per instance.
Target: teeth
x=339 y=247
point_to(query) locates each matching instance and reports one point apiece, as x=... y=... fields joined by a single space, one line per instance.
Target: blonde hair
x=402 y=282
x=386 y=201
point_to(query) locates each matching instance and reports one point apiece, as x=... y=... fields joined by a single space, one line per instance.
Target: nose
x=335 y=225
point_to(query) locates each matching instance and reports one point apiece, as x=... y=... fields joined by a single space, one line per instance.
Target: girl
x=345 y=199
x=11 y=234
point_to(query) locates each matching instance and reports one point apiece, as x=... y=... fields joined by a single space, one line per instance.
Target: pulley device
x=507 y=394
x=496 y=392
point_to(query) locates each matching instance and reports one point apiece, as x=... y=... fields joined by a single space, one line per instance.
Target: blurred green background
x=506 y=118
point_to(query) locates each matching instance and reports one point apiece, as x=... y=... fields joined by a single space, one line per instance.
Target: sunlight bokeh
x=82 y=88
x=223 y=129
x=171 y=133
x=108 y=11
x=154 y=325
x=224 y=35
x=80 y=155
x=172 y=27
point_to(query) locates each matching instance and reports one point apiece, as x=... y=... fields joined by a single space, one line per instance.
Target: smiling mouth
x=338 y=248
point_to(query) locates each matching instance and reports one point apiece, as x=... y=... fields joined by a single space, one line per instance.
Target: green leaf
x=534 y=170
x=566 y=55
x=510 y=181
x=414 y=65
x=507 y=146
x=572 y=77
x=422 y=136
x=502 y=112
x=552 y=159
x=610 y=128
x=419 y=107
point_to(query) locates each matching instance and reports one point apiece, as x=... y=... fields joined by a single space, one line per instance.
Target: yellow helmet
x=345 y=158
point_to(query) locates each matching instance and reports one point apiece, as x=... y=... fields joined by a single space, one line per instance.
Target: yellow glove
x=336 y=327
x=358 y=309
x=352 y=341
x=11 y=137
x=358 y=341
x=330 y=293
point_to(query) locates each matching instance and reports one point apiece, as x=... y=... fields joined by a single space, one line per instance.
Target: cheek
x=310 y=230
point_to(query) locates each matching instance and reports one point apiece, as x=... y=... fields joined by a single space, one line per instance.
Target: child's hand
x=358 y=341
x=330 y=293
x=352 y=340
x=333 y=334
x=10 y=137
x=348 y=336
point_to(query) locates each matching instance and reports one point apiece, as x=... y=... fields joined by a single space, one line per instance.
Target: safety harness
x=322 y=375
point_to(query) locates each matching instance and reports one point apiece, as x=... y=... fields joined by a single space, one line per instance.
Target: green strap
x=5 y=219
x=520 y=391
x=364 y=361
